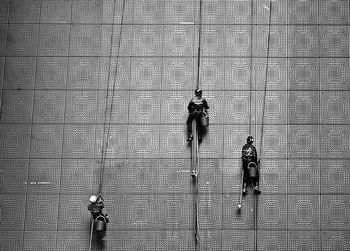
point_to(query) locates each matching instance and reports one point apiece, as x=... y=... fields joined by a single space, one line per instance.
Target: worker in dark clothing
x=95 y=207
x=250 y=160
x=197 y=108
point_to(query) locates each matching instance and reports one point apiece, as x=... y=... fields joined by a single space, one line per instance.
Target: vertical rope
x=251 y=65
x=266 y=72
x=199 y=41
x=105 y=138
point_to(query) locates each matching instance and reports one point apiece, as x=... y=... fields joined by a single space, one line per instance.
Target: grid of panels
x=55 y=69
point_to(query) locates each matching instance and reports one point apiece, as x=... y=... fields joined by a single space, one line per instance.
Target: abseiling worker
x=197 y=108
x=250 y=160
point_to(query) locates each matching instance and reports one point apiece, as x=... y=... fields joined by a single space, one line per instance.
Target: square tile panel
x=173 y=212
x=209 y=240
x=237 y=74
x=146 y=73
x=334 y=74
x=304 y=176
x=46 y=141
x=85 y=40
x=83 y=73
x=173 y=240
x=173 y=142
x=179 y=40
x=303 y=212
x=140 y=212
x=178 y=73
x=14 y=205
x=235 y=138
x=210 y=176
x=19 y=72
x=27 y=11
x=212 y=40
x=279 y=14
x=335 y=176
x=334 y=141
x=173 y=107
x=303 y=107
x=79 y=141
x=277 y=74
x=22 y=39
x=147 y=40
x=238 y=37
x=304 y=240
x=335 y=210
x=303 y=41
x=234 y=218
x=73 y=216
x=54 y=40
x=303 y=73
x=209 y=211
x=213 y=12
x=212 y=144
x=273 y=176
x=334 y=41
x=333 y=12
x=177 y=12
x=237 y=107
x=335 y=240
x=141 y=176
x=143 y=141
x=237 y=240
x=303 y=12
x=51 y=72
x=273 y=105
x=238 y=12
x=116 y=40
x=335 y=107
x=17 y=106
x=11 y=240
x=77 y=176
x=303 y=141
x=144 y=107
x=273 y=143
x=39 y=240
x=271 y=240
x=271 y=40
x=55 y=11
x=14 y=176
x=87 y=11
x=148 y=11
x=14 y=140
x=272 y=212
x=174 y=176
x=81 y=106
x=212 y=74
x=49 y=106
x=138 y=240
x=41 y=212
x=112 y=107
x=111 y=76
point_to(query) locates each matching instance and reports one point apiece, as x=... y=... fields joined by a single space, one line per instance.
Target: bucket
x=205 y=120
x=253 y=170
x=100 y=223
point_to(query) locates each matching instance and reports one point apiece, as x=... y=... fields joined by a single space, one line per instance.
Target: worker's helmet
x=198 y=92
x=93 y=198
x=250 y=140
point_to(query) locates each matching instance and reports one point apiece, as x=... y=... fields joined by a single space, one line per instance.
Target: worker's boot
x=244 y=190
x=256 y=188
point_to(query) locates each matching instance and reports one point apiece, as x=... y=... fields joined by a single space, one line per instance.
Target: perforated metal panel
x=82 y=74
x=84 y=40
x=19 y=72
x=305 y=240
x=24 y=40
x=14 y=175
x=39 y=240
x=303 y=212
x=335 y=210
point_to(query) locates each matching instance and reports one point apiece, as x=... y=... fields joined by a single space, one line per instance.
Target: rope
x=262 y=121
x=106 y=135
x=199 y=41
x=266 y=72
